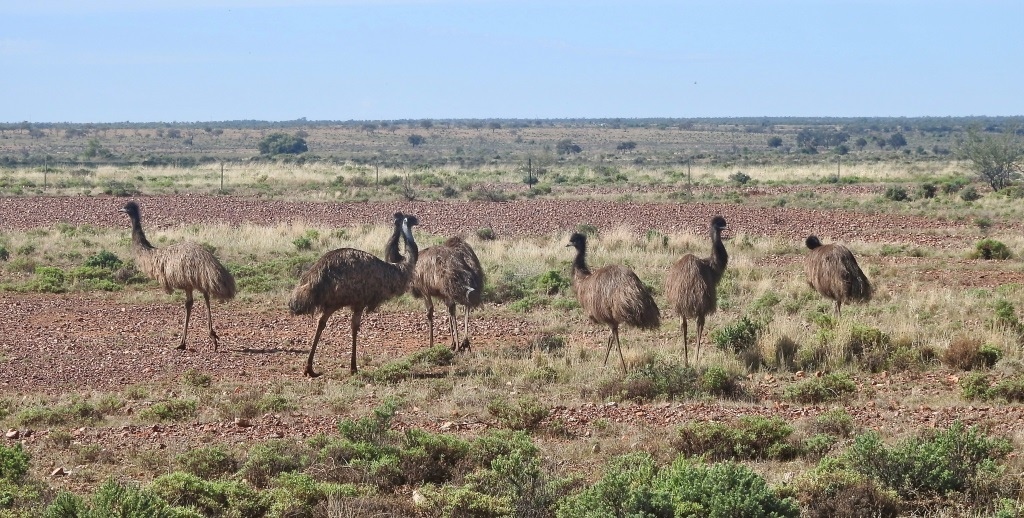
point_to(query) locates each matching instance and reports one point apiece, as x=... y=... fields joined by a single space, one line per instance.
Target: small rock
x=59 y=472
x=12 y=434
x=242 y=422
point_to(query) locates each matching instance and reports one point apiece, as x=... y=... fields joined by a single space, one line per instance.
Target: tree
x=282 y=143
x=775 y=142
x=494 y=126
x=996 y=159
x=416 y=139
x=897 y=140
x=567 y=147
x=628 y=145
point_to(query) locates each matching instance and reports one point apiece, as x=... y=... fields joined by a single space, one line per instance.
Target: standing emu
x=184 y=266
x=833 y=272
x=692 y=282
x=352 y=278
x=612 y=295
x=452 y=273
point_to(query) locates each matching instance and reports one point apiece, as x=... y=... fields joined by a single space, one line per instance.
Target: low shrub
x=525 y=414
x=835 y=422
x=208 y=462
x=830 y=387
x=633 y=485
x=171 y=410
x=748 y=438
x=970 y=353
x=737 y=336
x=936 y=464
x=990 y=249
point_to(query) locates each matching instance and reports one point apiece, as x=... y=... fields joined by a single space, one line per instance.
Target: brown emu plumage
x=833 y=272
x=355 y=279
x=452 y=273
x=183 y=266
x=612 y=295
x=692 y=282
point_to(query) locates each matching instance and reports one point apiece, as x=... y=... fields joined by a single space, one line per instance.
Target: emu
x=692 y=285
x=834 y=273
x=452 y=273
x=355 y=279
x=183 y=266
x=612 y=295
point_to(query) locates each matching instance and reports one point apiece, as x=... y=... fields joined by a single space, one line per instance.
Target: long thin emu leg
x=608 y=350
x=316 y=339
x=357 y=318
x=686 y=345
x=700 y=333
x=618 y=345
x=188 y=315
x=465 y=338
x=430 y=316
x=209 y=321
x=453 y=326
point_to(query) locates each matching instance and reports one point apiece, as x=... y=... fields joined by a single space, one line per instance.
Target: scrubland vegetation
x=908 y=405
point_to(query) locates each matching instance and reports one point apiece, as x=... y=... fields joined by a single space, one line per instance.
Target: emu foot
x=215 y=338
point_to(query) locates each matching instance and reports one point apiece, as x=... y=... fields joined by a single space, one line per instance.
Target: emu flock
x=612 y=295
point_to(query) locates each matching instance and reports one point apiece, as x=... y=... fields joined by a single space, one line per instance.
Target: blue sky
x=210 y=60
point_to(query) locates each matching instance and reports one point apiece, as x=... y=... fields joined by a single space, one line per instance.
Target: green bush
x=896 y=193
x=990 y=249
x=933 y=465
x=633 y=486
x=75 y=412
x=969 y=194
x=831 y=490
x=835 y=422
x=208 y=462
x=652 y=380
x=830 y=387
x=171 y=410
x=525 y=414
x=13 y=463
x=48 y=279
x=737 y=336
x=265 y=461
x=104 y=259
x=116 y=499
x=211 y=498
x=749 y=437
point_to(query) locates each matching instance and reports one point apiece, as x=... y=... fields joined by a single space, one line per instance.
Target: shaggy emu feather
x=834 y=273
x=612 y=295
x=352 y=278
x=452 y=273
x=183 y=266
x=692 y=282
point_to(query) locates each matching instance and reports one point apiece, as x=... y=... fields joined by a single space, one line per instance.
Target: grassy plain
x=869 y=413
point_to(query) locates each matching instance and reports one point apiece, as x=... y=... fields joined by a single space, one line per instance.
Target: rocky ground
x=82 y=343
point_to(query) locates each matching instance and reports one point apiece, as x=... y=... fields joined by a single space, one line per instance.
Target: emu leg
x=209 y=321
x=618 y=345
x=357 y=318
x=320 y=325
x=429 y=301
x=686 y=346
x=453 y=326
x=188 y=315
x=700 y=333
x=465 y=338
x=839 y=308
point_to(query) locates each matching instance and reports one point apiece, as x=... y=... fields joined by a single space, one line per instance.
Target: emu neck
x=579 y=264
x=139 y=237
x=406 y=264
x=719 y=257
x=391 y=252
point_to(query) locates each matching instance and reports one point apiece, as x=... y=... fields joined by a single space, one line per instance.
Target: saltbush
x=830 y=387
x=936 y=464
x=634 y=486
x=749 y=437
x=990 y=249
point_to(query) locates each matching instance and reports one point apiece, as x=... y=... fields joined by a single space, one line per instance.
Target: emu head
x=131 y=209
x=408 y=221
x=578 y=241
x=718 y=223
x=812 y=242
